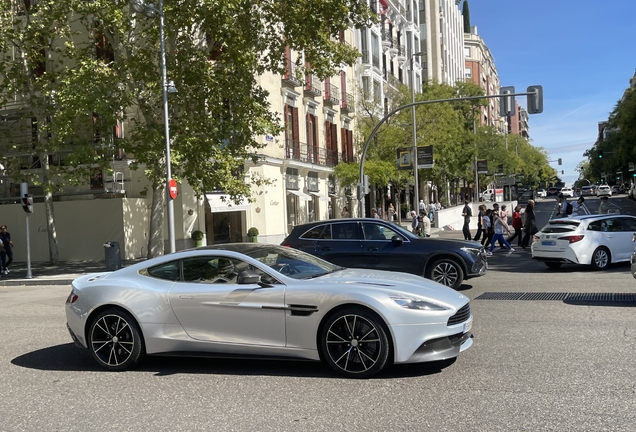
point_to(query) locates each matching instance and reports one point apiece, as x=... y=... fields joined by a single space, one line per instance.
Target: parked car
x=567 y=192
x=616 y=189
x=595 y=240
x=542 y=193
x=603 y=190
x=632 y=192
x=488 y=194
x=589 y=190
x=381 y=245
x=553 y=191
x=248 y=299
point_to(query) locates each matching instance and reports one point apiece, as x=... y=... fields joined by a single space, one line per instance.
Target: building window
x=366 y=87
x=468 y=72
x=466 y=51
x=377 y=91
x=375 y=49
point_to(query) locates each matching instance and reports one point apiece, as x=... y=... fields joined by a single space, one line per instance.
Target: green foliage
x=197 y=235
x=252 y=232
x=466 y=16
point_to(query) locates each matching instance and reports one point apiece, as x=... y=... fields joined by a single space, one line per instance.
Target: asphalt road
x=535 y=365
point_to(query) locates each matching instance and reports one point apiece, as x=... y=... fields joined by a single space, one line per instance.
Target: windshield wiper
x=322 y=274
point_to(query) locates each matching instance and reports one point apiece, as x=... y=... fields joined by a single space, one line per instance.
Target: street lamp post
x=150 y=11
x=416 y=188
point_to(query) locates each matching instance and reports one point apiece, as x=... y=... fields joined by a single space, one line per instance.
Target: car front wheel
x=354 y=343
x=447 y=272
x=601 y=258
x=114 y=340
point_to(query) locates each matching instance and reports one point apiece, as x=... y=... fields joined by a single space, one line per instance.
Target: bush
x=252 y=232
x=197 y=235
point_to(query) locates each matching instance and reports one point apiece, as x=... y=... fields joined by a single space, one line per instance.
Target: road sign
x=172 y=188
x=404 y=158
x=425 y=157
x=482 y=166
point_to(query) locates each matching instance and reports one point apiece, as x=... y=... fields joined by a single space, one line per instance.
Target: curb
x=35 y=282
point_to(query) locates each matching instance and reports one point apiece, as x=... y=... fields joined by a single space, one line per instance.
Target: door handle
x=186 y=297
x=372 y=248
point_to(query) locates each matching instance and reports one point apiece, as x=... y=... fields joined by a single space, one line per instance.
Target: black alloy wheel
x=114 y=340
x=354 y=343
x=447 y=272
x=601 y=258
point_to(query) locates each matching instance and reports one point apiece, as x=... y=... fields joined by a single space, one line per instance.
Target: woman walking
x=480 y=216
x=487 y=227
x=530 y=227
x=499 y=227
x=517 y=225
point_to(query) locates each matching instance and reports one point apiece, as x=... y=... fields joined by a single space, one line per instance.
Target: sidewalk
x=63 y=274
x=48 y=274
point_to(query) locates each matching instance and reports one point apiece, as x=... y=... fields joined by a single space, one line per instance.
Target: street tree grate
x=560 y=296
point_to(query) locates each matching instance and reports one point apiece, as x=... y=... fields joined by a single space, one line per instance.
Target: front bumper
x=442 y=348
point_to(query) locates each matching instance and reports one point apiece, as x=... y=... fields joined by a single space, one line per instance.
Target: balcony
x=290 y=77
x=332 y=94
x=313 y=85
x=348 y=103
x=298 y=151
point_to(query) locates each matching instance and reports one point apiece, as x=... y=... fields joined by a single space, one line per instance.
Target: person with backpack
x=577 y=207
x=499 y=227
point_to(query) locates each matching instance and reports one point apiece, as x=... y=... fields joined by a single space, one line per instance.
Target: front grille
x=462 y=315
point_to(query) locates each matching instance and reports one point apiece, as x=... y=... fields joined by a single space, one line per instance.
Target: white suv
x=567 y=192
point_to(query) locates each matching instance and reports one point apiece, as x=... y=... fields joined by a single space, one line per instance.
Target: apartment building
x=442 y=40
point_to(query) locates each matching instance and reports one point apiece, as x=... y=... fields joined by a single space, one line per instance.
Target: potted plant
x=252 y=234
x=197 y=236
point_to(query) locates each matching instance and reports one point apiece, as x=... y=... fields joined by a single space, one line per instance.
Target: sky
x=582 y=52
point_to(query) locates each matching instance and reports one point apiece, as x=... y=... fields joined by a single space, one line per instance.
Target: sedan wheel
x=600 y=258
x=114 y=340
x=354 y=343
x=447 y=273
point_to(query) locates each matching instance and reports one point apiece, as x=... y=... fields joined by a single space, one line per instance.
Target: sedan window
x=345 y=231
x=168 y=271
x=629 y=224
x=318 y=232
x=374 y=231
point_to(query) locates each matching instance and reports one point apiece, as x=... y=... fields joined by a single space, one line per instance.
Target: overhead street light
x=150 y=11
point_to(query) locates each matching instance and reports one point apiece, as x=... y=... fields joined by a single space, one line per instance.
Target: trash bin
x=113 y=258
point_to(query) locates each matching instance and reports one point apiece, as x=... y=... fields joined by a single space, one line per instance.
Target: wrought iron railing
x=299 y=151
x=332 y=93
x=313 y=85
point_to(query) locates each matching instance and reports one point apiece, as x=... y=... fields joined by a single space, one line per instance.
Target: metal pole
x=416 y=187
x=164 y=85
x=476 y=171
x=28 y=248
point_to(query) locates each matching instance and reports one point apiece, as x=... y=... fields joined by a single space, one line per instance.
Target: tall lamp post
x=150 y=11
x=416 y=193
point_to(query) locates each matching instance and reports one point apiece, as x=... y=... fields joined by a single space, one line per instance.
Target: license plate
x=468 y=325
x=548 y=243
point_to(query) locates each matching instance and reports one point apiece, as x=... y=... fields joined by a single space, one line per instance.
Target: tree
x=214 y=51
x=466 y=16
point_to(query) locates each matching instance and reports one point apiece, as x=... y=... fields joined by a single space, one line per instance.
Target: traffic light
x=600 y=154
x=562 y=172
x=506 y=102
x=560 y=161
x=27 y=203
x=535 y=100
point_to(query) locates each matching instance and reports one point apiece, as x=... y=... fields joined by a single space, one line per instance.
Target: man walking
x=467 y=212
x=7 y=254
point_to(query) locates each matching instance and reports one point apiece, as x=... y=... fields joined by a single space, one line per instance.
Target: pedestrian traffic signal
x=535 y=99
x=600 y=154
x=27 y=203
x=560 y=161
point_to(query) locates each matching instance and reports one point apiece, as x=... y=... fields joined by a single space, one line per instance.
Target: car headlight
x=472 y=251
x=417 y=304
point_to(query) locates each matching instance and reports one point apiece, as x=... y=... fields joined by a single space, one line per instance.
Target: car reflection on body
x=378 y=244
x=596 y=240
x=247 y=299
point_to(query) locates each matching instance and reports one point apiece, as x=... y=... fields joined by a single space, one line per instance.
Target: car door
x=342 y=244
x=212 y=306
x=381 y=253
x=625 y=243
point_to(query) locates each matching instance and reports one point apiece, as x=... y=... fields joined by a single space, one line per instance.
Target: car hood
x=387 y=281
x=448 y=243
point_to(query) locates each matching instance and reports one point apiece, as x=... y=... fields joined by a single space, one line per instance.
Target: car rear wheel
x=601 y=258
x=447 y=272
x=553 y=264
x=354 y=343
x=114 y=339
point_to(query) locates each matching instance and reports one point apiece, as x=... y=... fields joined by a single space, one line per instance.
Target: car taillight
x=572 y=239
x=72 y=298
x=286 y=245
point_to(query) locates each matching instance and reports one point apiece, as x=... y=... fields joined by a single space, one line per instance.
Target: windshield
x=286 y=261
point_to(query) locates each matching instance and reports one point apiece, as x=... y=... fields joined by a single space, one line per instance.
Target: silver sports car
x=268 y=301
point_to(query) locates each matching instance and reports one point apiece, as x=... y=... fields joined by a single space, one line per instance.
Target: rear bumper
x=76 y=340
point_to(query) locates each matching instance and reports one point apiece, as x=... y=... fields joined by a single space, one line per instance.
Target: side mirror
x=397 y=240
x=248 y=277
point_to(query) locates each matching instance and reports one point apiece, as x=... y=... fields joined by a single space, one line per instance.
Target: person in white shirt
x=425 y=224
x=422 y=205
x=578 y=207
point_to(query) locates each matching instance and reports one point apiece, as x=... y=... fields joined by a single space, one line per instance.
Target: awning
x=299 y=194
x=222 y=203
x=321 y=196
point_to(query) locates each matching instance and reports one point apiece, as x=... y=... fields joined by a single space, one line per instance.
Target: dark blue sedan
x=381 y=245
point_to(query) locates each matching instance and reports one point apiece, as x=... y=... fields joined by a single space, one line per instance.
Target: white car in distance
x=567 y=192
x=603 y=190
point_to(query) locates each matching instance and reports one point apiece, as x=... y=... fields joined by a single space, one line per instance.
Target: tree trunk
x=54 y=255
x=156 y=245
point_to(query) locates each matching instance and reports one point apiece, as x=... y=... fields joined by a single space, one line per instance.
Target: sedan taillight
x=72 y=298
x=572 y=238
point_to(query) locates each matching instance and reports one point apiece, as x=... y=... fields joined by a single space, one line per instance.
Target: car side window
x=614 y=225
x=629 y=224
x=320 y=232
x=168 y=271
x=595 y=226
x=345 y=231
x=212 y=269
x=375 y=231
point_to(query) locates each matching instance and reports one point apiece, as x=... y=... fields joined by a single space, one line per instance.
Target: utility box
x=113 y=256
